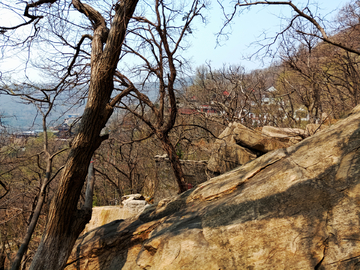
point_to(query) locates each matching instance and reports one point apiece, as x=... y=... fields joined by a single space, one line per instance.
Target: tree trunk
x=90 y=186
x=65 y=220
x=40 y=202
x=174 y=161
x=24 y=246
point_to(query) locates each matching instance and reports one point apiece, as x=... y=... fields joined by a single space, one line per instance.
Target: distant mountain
x=17 y=115
x=14 y=113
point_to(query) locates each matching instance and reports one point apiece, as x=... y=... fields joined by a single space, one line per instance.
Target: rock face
x=311 y=129
x=132 y=205
x=238 y=145
x=290 y=135
x=226 y=156
x=293 y=208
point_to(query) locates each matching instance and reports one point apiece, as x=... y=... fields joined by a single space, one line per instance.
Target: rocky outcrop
x=134 y=201
x=226 y=156
x=131 y=206
x=289 y=135
x=293 y=208
x=311 y=129
x=256 y=141
x=238 y=145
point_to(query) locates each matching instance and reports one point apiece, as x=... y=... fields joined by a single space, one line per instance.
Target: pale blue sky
x=246 y=29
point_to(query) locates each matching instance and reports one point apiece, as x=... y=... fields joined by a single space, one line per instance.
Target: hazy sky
x=245 y=30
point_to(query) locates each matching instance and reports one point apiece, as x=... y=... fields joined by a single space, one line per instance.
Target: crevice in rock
x=255 y=151
x=152 y=250
x=252 y=174
x=318 y=265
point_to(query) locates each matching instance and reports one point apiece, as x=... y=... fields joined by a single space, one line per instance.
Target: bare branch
x=301 y=13
x=33 y=18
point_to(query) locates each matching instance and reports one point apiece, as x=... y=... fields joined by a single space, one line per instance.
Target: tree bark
x=65 y=220
x=90 y=186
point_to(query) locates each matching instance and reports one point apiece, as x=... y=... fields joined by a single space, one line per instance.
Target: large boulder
x=131 y=206
x=290 y=135
x=255 y=140
x=293 y=208
x=238 y=145
x=226 y=156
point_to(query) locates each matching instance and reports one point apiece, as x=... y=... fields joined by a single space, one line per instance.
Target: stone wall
x=195 y=173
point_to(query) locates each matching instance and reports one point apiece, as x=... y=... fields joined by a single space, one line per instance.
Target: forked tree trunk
x=65 y=220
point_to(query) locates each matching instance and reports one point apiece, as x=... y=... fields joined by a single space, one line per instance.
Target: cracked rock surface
x=292 y=208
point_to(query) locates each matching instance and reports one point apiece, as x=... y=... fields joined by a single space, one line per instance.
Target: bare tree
x=302 y=73
x=304 y=14
x=29 y=167
x=43 y=100
x=65 y=220
x=160 y=42
x=317 y=75
x=126 y=160
x=323 y=83
x=230 y=95
x=343 y=66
